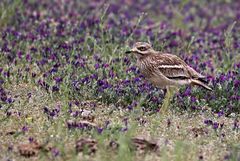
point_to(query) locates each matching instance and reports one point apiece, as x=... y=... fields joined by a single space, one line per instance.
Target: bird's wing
x=173 y=67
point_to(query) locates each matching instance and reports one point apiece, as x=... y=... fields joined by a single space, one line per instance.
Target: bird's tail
x=200 y=83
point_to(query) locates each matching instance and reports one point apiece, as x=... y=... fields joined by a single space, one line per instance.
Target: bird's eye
x=142 y=48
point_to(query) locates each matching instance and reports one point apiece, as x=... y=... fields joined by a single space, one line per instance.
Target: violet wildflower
x=30 y=139
x=99 y=130
x=24 y=129
x=97 y=66
x=215 y=125
x=20 y=54
x=237 y=83
x=220 y=113
x=55 y=88
x=55 y=152
x=208 y=122
x=28 y=57
x=58 y=79
x=52 y=113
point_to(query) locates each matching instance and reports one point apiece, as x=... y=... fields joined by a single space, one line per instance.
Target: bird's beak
x=128 y=52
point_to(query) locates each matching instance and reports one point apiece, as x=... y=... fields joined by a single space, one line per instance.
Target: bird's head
x=141 y=49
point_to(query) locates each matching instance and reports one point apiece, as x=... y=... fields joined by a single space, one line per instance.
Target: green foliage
x=7 y=11
x=234 y=153
x=182 y=151
x=228 y=62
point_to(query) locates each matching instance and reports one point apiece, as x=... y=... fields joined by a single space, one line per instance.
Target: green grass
x=7 y=11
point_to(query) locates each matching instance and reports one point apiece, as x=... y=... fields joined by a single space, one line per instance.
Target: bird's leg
x=167 y=99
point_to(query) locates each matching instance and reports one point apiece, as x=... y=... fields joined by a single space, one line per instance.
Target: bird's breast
x=145 y=68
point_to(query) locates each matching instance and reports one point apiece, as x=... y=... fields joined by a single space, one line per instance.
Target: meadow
x=68 y=91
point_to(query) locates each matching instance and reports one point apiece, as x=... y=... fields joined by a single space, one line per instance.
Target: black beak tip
x=127 y=52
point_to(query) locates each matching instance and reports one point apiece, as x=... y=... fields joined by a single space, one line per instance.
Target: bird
x=165 y=70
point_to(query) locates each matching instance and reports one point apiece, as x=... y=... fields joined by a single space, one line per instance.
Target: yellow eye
x=142 y=48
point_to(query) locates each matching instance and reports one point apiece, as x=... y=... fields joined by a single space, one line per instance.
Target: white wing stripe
x=171 y=66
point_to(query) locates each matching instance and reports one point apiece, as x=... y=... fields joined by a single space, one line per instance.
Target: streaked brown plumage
x=164 y=69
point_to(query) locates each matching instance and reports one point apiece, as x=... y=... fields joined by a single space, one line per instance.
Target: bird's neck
x=141 y=57
x=146 y=56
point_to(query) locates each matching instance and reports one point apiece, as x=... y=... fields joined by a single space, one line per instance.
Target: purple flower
x=173 y=43
x=55 y=152
x=20 y=54
x=194 y=107
x=3 y=97
x=55 y=88
x=136 y=79
x=97 y=66
x=94 y=76
x=45 y=109
x=58 y=79
x=100 y=82
x=130 y=107
x=220 y=113
x=30 y=139
x=111 y=74
x=6 y=74
x=53 y=70
x=222 y=78
x=193 y=99
x=105 y=65
x=9 y=100
x=208 y=122
x=99 y=130
x=126 y=60
x=75 y=113
x=237 y=83
x=28 y=57
x=52 y=113
x=97 y=58
x=235 y=97
x=103 y=84
x=187 y=92
x=215 y=125
x=24 y=129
